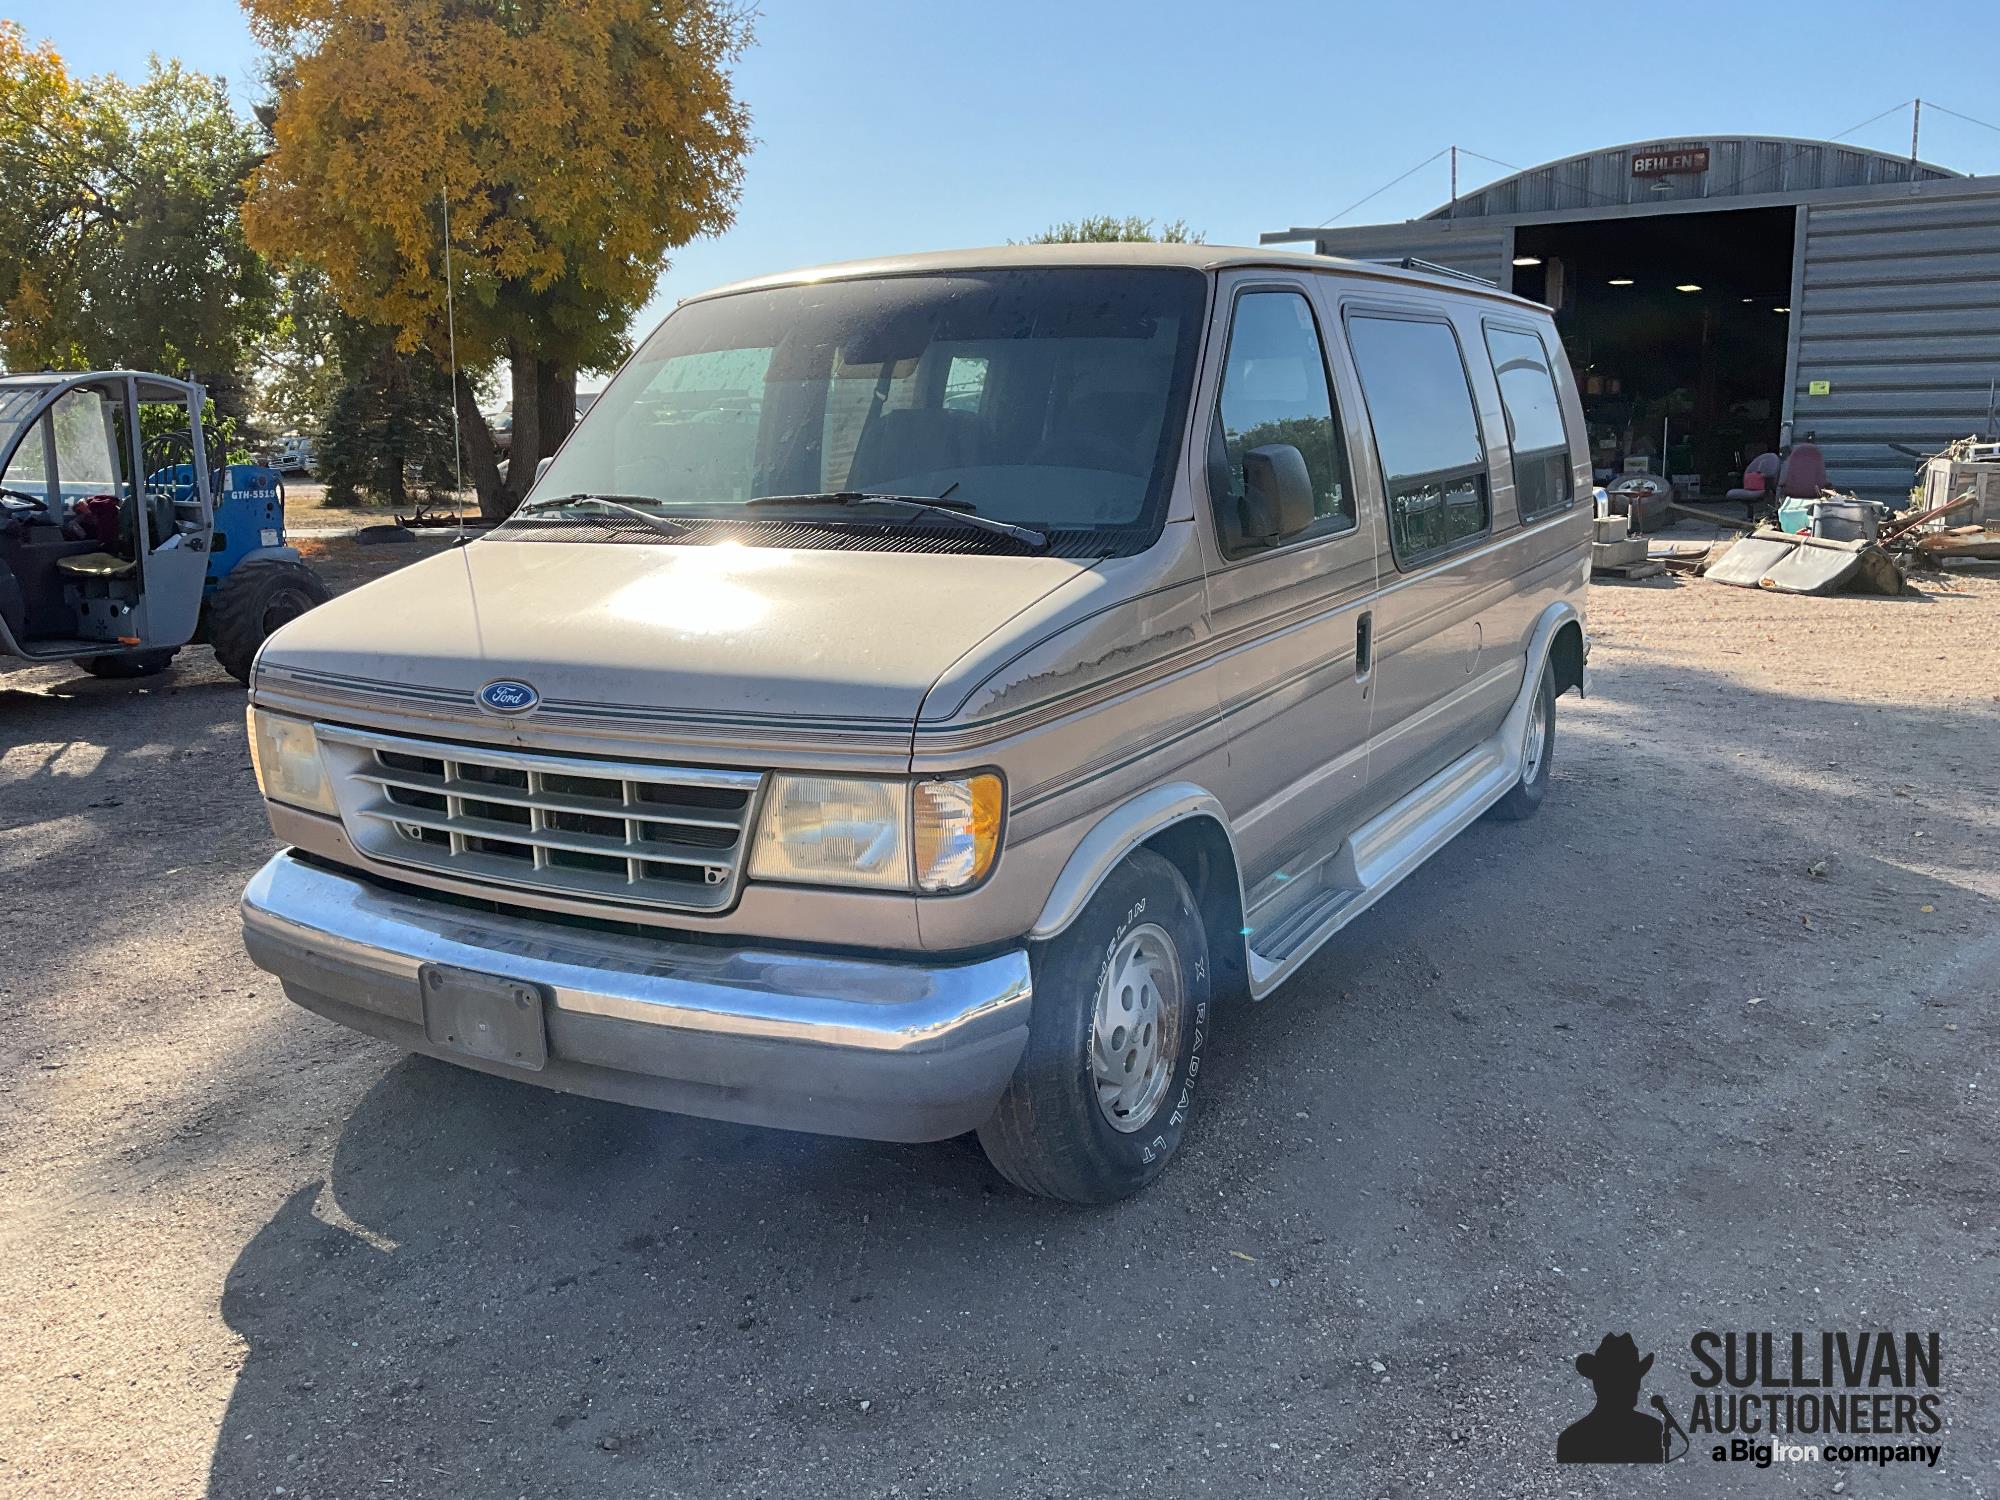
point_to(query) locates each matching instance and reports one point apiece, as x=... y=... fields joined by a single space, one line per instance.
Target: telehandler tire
x=254 y=600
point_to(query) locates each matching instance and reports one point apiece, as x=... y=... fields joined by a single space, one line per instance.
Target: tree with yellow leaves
x=577 y=142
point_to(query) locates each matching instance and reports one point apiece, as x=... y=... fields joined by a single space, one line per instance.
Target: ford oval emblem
x=508 y=697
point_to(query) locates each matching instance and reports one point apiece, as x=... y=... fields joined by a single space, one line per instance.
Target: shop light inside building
x=1527 y=260
x=1781 y=309
x=1688 y=286
x=1621 y=281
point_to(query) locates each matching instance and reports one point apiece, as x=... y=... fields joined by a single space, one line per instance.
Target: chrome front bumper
x=876 y=1048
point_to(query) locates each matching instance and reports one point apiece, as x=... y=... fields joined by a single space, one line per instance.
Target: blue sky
x=885 y=126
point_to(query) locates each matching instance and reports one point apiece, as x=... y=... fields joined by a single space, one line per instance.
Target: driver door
x=1296 y=683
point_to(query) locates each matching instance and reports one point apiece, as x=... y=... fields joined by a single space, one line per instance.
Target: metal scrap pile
x=1853 y=546
x=1967 y=525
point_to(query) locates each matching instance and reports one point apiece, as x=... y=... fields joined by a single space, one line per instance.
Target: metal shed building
x=1719 y=294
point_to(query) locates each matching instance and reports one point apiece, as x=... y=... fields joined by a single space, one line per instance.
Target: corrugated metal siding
x=1737 y=166
x=1479 y=251
x=1900 y=311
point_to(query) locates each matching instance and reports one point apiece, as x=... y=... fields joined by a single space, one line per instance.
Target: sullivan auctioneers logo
x=1868 y=1398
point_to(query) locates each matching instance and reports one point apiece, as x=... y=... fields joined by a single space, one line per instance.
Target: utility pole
x=1453 y=212
x=1916 y=120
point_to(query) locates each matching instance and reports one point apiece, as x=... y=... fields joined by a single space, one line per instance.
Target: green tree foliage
x=164 y=424
x=177 y=289
x=1109 y=228
x=299 y=368
x=122 y=244
x=390 y=416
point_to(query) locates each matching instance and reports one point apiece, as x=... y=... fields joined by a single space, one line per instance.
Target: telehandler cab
x=119 y=544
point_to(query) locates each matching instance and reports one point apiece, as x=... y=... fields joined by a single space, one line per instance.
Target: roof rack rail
x=1414 y=263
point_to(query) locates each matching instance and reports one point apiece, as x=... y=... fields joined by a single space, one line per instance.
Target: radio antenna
x=451 y=344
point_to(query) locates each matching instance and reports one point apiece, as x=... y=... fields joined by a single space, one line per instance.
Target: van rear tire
x=1524 y=798
x=1103 y=1092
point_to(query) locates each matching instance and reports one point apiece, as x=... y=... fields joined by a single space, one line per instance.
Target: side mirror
x=543 y=467
x=1277 y=494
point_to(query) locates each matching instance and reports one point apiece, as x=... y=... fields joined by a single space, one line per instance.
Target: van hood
x=775 y=634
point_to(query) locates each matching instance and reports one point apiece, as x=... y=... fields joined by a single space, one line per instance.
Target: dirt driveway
x=1709 y=1044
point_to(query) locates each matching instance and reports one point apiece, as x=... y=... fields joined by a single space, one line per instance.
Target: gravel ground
x=1631 y=1065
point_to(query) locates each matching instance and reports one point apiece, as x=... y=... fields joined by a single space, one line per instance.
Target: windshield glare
x=1047 y=397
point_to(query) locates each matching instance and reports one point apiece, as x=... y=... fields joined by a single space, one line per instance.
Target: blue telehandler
x=119 y=544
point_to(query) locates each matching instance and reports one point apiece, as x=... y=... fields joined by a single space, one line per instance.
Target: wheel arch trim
x=1115 y=836
x=1542 y=639
x=1553 y=621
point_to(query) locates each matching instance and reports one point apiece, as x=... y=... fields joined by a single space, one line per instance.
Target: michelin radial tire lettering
x=1050 y=1135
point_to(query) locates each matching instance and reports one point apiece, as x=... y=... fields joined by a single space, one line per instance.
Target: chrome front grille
x=621 y=831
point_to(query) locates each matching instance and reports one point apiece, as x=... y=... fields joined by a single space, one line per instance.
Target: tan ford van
x=921 y=691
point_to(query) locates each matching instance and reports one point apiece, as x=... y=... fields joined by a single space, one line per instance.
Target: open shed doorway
x=1676 y=325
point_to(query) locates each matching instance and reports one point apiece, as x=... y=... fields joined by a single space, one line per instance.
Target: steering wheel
x=23 y=499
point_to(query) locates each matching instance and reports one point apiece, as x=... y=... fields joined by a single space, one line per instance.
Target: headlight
x=888 y=835
x=285 y=755
x=957 y=831
x=834 y=831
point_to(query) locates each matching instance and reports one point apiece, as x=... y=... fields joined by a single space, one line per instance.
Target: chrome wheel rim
x=1135 y=1027
x=1537 y=745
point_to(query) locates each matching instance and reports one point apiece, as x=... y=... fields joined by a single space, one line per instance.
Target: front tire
x=1538 y=753
x=1103 y=1092
x=254 y=600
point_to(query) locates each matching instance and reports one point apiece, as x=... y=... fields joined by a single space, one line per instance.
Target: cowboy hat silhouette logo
x=1612 y=1432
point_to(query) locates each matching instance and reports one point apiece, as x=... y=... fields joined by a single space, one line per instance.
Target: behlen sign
x=1679 y=161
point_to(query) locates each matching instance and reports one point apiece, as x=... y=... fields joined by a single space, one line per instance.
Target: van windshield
x=1051 y=398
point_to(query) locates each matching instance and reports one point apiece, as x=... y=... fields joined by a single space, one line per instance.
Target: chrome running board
x=1289 y=926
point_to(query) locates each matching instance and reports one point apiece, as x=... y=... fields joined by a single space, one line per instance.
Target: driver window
x=1275 y=390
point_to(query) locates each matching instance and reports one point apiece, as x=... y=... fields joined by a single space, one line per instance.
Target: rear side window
x=1542 y=480
x=1275 y=390
x=1426 y=431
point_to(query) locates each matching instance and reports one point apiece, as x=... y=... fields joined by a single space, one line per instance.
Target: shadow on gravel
x=95 y=738
x=502 y=1282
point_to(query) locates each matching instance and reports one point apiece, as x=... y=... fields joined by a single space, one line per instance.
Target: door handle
x=1364 y=645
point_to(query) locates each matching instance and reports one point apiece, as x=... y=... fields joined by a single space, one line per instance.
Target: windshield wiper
x=621 y=503
x=960 y=511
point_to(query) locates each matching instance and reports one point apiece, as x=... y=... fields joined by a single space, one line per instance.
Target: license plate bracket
x=485 y=1016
